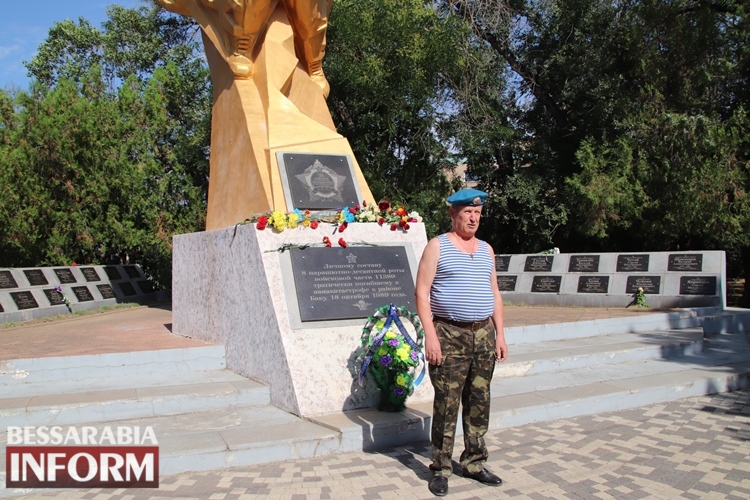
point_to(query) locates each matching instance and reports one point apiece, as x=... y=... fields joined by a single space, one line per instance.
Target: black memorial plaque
x=90 y=274
x=546 y=284
x=697 y=285
x=685 y=262
x=127 y=289
x=65 y=276
x=538 y=263
x=319 y=181
x=36 y=277
x=7 y=280
x=502 y=263
x=593 y=284
x=54 y=297
x=583 y=264
x=632 y=263
x=82 y=293
x=651 y=284
x=112 y=273
x=345 y=283
x=24 y=300
x=132 y=272
x=106 y=291
x=507 y=283
x=146 y=286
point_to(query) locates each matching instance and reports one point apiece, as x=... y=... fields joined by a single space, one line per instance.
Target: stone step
x=556 y=355
x=722 y=365
x=136 y=397
x=227 y=437
x=123 y=365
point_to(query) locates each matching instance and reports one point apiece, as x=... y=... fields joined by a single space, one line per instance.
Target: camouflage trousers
x=464 y=377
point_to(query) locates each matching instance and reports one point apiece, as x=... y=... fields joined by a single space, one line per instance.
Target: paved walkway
x=696 y=448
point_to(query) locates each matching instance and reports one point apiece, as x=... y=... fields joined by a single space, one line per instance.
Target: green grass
x=74 y=314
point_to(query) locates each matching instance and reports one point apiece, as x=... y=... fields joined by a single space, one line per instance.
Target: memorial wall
x=30 y=293
x=669 y=279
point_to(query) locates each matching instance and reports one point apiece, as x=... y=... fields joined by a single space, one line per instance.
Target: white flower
x=415 y=216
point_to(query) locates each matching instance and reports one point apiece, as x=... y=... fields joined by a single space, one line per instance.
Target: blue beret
x=468 y=197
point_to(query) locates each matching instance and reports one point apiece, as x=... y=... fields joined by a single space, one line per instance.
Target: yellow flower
x=382 y=351
x=293 y=220
x=390 y=335
x=306 y=222
x=278 y=220
x=401 y=380
x=403 y=353
x=342 y=216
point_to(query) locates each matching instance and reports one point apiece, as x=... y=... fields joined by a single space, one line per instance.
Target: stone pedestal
x=233 y=286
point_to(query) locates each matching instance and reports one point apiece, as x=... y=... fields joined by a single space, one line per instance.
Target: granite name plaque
x=318 y=181
x=502 y=263
x=632 y=263
x=132 y=272
x=546 y=284
x=82 y=293
x=7 y=280
x=651 y=284
x=112 y=273
x=36 y=277
x=106 y=291
x=583 y=264
x=24 y=300
x=146 y=286
x=507 y=283
x=90 y=274
x=593 y=284
x=65 y=276
x=685 y=262
x=127 y=289
x=697 y=285
x=54 y=297
x=345 y=283
x=538 y=263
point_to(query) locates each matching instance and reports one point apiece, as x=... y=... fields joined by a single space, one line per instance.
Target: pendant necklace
x=471 y=246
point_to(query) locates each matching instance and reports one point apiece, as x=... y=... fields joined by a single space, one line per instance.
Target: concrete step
x=556 y=355
x=567 y=387
x=109 y=399
x=229 y=437
x=119 y=365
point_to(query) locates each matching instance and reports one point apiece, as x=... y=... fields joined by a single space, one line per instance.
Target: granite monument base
x=246 y=288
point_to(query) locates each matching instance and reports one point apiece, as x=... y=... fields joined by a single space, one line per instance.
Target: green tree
x=107 y=154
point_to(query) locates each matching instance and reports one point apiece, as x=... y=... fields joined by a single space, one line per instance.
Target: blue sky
x=25 y=24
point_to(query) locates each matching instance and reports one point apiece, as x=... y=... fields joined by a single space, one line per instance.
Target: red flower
x=394 y=227
x=327 y=241
x=314 y=224
x=262 y=222
x=401 y=211
x=384 y=204
x=353 y=210
x=343 y=226
x=406 y=227
x=364 y=203
x=342 y=242
x=381 y=221
x=74 y=264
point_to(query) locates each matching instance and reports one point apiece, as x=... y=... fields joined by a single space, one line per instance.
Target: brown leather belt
x=469 y=325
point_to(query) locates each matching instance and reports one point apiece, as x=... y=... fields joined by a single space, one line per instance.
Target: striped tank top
x=462 y=289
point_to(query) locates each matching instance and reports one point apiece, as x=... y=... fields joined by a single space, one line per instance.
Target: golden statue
x=265 y=58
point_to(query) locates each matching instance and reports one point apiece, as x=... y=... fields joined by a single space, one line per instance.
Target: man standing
x=461 y=310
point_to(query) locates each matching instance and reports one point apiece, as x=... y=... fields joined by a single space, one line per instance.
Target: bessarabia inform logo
x=81 y=457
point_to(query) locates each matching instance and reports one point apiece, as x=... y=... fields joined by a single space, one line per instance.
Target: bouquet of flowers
x=392 y=356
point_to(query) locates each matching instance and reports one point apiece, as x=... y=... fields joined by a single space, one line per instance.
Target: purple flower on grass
x=386 y=360
x=398 y=391
x=393 y=342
